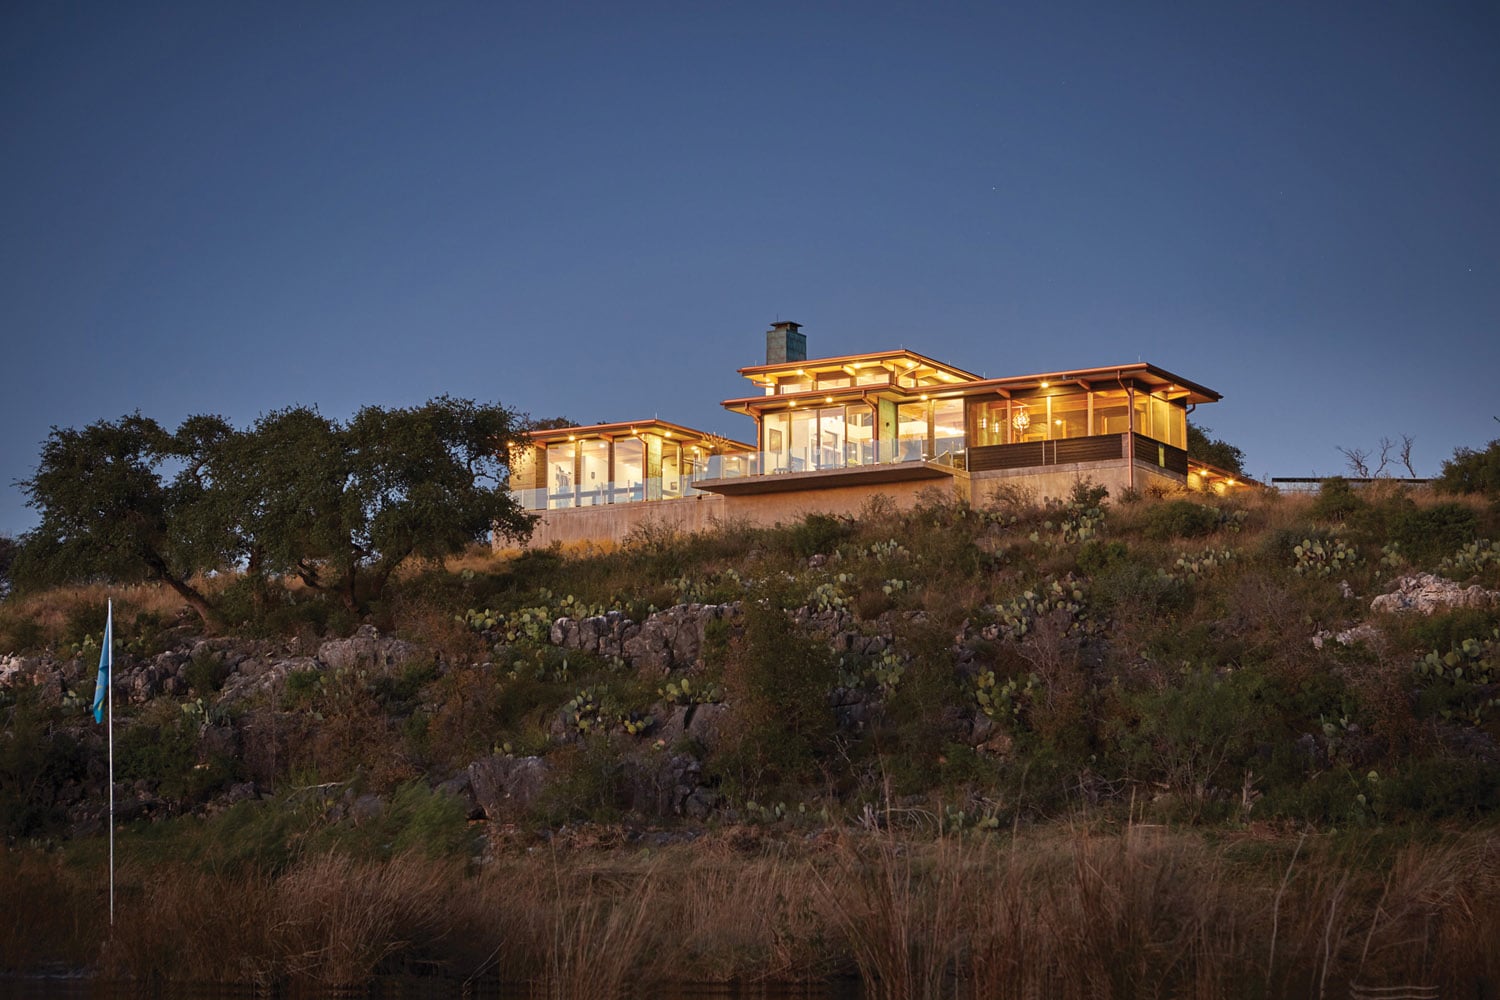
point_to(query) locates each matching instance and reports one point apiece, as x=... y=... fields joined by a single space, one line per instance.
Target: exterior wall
x=612 y=522
x=766 y=509
x=1057 y=481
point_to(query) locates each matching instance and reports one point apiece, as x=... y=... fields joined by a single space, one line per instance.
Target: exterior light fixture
x=1045 y=384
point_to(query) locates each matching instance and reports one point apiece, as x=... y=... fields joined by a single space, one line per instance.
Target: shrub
x=1181 y=519
x=1336 y=500
x=1426 y=534
x=819 y=534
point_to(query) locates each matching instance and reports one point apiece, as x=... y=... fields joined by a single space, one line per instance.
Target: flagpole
x=109 y=643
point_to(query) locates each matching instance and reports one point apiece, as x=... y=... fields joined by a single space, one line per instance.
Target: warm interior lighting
x=1022 y=419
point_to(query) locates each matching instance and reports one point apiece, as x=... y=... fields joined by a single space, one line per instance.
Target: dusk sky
x=596 y=210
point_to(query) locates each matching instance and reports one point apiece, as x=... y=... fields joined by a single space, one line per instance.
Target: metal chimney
x=785 y=342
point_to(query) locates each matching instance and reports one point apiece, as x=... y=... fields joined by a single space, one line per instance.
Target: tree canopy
x=1470 y=471
x=1214 y=451
x=339 y=505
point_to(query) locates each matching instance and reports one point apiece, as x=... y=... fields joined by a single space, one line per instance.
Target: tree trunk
x=187 y=592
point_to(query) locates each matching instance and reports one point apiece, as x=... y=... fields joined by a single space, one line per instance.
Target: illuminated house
x=830 y=433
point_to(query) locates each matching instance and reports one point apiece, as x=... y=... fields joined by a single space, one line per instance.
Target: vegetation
x=1470 y=471
x=340 y=506
x=1065 y=747
x=1214 y=451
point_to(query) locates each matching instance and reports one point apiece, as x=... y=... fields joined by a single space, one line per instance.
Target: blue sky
x=595 y=210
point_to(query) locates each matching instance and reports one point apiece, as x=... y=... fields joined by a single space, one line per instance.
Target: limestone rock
x=673 y=639
x=1426 y=593
x=503 y=784
x=367 y=648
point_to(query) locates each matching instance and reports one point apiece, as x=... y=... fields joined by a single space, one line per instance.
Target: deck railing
x=565 y=494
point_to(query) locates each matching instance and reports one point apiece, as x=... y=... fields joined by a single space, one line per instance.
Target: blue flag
x=106 y=664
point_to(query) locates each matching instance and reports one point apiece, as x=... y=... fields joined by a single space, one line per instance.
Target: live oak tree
x=340 y=506
x=111 y=510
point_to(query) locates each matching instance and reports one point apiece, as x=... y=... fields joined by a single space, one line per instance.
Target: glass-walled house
x=628 y=462
x=902 y=407
x=833 y=433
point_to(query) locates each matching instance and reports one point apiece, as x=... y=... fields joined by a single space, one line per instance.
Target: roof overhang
x=1107 y=377
x=628 y=428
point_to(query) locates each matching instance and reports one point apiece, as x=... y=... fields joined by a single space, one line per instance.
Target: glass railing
x=948 y=451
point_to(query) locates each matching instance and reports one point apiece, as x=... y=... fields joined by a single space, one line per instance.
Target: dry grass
x=1062 y=912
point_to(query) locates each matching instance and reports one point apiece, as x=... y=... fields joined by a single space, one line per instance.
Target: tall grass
x=1059 y=912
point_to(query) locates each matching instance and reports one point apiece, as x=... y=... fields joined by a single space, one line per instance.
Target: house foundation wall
x=1056 y=482
x=614 y=522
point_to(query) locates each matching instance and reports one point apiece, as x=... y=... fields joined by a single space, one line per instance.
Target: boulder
x=502 y=784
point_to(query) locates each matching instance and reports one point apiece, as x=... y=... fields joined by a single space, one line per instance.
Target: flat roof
x=875 y=358
x=627 y=428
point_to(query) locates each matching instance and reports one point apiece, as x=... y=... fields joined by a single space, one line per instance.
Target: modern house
x=830 y=433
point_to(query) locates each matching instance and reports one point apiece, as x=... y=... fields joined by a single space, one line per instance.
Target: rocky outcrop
x=669 y=640
x=368 y=648
x=502 y=785
x=1426 y=593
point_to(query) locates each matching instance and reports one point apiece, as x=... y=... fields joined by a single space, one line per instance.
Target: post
x=109 y=640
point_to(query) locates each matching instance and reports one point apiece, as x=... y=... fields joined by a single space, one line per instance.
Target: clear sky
x=595 y=210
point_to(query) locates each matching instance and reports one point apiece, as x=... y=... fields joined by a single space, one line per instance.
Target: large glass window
x=947 y=428
x=561 y=458
x=1111 y=412
x=776 y=441
x=1028 y=420
x=671 y=469
x=1070 y=415
x=831 y=437
x=629 y=470
x=861 y=432
x=1168 y=422
x=911 y=433
x=804 y=438
x=593 y=472
x=989 y=421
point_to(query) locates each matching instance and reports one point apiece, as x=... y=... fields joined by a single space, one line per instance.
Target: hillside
x=1250 y=666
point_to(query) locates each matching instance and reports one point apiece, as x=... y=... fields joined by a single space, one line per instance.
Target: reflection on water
x=390 y=988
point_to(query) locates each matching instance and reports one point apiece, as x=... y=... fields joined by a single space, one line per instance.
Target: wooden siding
x=1032 y=454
